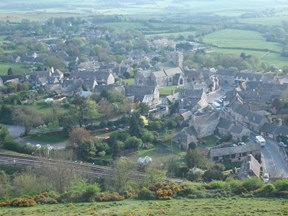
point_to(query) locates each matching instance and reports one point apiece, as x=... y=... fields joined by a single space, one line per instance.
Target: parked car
x=281 y=144
x=266 y=177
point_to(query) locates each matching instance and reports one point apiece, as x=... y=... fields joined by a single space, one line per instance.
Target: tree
x=193 y=158
x=136 y=125
x=106 y=108
x=122 y=170
x=133 y=142
x=27 y=117
x=4 y=185
x=153 y=176
x=214 y=173
x=87 y=149
x=10 y=71
x=77 y=135
x=83 y=109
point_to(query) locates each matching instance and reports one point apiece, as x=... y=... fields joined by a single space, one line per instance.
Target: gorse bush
x=252 y=184
x=109 y=196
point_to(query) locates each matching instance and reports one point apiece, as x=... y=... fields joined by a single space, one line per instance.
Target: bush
x=281 y=185
x=253 y=184
x=23 y=202
x=236 y=186
x=109 y=196
x=218 y=185
x=194 y=174
x=146 y=194
x=165 y=191
x=91 y=193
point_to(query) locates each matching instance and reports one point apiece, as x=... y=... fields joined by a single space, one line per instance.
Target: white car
x=281 y=144
x=266 y=177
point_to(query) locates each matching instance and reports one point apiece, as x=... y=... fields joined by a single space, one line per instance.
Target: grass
x=268 y=21
x=17 y=68
x=168 y=90
x=240 y=39
x=197 y=207
x=129 y=81
x=271 y=58
x=210 y=141
x=50 y=138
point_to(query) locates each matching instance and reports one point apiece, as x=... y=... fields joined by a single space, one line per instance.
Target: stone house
x=254 y=121
x=161 y=78
x=205 y=123
x=250 y=167
x=234 y=154
x=102 y=78
x=185 y=137
x=191 y=100
x=238 y=111
x=224 y=126
x=268 y=130
x=143 y=94
x=11 y=78
x=238 y=131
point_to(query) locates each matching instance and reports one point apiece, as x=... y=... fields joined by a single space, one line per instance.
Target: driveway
x=15 y=131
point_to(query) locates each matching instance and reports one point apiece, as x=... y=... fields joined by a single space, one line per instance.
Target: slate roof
x=237 y=129
x=173 y=71
x=218 y=152
x=281 y=131
x=254 y=117
x=159 y=74
x=268 y=128
x=6 y=78
x=133 y=90
x=249 y=76
x=224 y=123
x=240 y=108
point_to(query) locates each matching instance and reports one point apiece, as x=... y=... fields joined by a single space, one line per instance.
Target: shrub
x=281 y=185
x=236 y=186
x=165 y=191
x=22 y=202
x=90 y=193
x=108 y=196
x=252 y=184
x=146 y=194
x=194 y=174
x=218 y=185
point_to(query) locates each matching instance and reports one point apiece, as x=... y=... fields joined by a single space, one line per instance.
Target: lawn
x=129 y=81
x=17 y=68
x=240 y=39
x=197 y=207
x=168 y=90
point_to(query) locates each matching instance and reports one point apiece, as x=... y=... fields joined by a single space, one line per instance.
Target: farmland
x=197 y=207
x=230 y=38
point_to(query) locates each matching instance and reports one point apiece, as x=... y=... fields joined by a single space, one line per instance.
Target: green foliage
x=216 y=184
x=109 y=196
x=194 y=174
x=146 y=194
x=281 y=185
x=252 y=184
x=132 y=142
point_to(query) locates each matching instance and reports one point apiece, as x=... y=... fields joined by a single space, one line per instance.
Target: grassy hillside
x=223 y=206
x=240 y=39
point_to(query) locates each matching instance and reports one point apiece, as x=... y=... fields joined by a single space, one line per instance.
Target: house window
x=244 y=154
x=233 y=156
x=215 y=158
x=181 y=81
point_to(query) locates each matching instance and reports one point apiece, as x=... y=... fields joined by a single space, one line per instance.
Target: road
x=274 y=160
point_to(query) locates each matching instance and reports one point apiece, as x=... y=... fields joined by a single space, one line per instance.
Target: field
x=267 y=57
x=269 y=21
x=17 y=68
x=196 y=207
x=240 y=39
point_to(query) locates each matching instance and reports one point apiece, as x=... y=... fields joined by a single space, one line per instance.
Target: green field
x=269 y=21
x=271 y=58
x=17 y=68
x=197 y=207
x=49 y=138
x=240 y=39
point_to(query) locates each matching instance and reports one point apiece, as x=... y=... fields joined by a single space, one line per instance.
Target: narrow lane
x=274 y=160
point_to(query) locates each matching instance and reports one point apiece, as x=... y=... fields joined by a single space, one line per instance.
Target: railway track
x=83 y=168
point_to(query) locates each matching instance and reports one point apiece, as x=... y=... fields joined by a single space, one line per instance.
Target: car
x=266 y=177
x=106 y=129
x=281 y=144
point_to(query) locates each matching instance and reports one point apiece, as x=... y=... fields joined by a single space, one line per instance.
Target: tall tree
x=83 y=109
x=26 y=117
